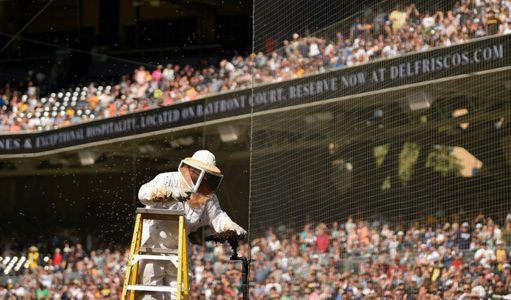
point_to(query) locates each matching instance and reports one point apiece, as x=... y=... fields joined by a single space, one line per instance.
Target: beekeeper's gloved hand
x=235 y=227
x=166 y=193
x=178 y=194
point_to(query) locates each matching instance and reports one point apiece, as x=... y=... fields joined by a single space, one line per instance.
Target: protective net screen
x=381 y=149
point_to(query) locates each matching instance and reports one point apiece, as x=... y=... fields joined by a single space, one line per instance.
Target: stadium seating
x=384 y=35
x=355 y=258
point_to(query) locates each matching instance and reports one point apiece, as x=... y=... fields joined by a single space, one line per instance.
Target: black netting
x=380 y=147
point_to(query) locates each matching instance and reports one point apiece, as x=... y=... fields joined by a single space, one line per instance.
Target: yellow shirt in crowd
x=398 y=19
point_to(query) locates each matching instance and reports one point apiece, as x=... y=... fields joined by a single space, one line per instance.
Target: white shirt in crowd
x=485 y=257
x=314 y=50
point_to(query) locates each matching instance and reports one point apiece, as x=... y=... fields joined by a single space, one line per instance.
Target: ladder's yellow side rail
x=135 y=244
x=184 y=264
x=180 y=258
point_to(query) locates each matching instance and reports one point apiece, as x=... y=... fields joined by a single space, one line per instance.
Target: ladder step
x=152 y=257
x=158 y=250
x=151 y=288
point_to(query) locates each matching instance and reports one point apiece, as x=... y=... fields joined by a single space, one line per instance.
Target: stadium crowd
x=353 y=259
x=382 y=34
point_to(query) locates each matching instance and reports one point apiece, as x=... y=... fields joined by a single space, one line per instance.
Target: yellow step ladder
x=138 y=253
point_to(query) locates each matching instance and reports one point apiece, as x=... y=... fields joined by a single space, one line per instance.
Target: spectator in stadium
x=398 y=18
x=492 y=22
x=322 y=241
x=464 y=237
x=191 y=189
x=33 y=257
x=505 y=28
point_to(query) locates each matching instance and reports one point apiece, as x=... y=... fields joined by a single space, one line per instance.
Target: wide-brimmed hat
x=205 y=160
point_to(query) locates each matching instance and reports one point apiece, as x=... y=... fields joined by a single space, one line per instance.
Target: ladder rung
x=153 y=257
x=151 y=288
x=158 y=250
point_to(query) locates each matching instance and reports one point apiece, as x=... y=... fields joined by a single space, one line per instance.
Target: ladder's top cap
x=160 y=211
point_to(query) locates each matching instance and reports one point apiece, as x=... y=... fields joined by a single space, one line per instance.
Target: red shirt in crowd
x=457 y=263
x=322 y=243
x=57 y=259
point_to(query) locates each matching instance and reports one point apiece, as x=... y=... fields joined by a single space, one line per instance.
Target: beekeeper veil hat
x=204 y=174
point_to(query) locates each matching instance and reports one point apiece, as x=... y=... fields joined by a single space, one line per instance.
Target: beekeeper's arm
x=219 y=220
x=163 y=187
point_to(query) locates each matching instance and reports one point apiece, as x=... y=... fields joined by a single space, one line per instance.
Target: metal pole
x=244 y=272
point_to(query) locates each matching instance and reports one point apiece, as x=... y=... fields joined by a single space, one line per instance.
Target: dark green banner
x=480 y=55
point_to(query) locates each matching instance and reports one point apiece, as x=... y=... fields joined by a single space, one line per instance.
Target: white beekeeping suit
x=194 y=185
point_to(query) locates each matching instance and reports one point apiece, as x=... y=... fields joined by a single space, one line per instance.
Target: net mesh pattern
x=389 y=118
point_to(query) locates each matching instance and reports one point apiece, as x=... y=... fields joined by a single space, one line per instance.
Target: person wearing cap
x=484 y=255
x=192 y=189
x=463 y=237
x=501 y=255
x=33 y=257
x=492 y=22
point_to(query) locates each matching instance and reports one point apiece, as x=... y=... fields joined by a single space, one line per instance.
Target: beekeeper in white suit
x=192 y=189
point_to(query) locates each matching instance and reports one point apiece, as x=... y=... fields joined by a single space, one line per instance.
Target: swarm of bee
x=229 y=236
x=161 y=193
